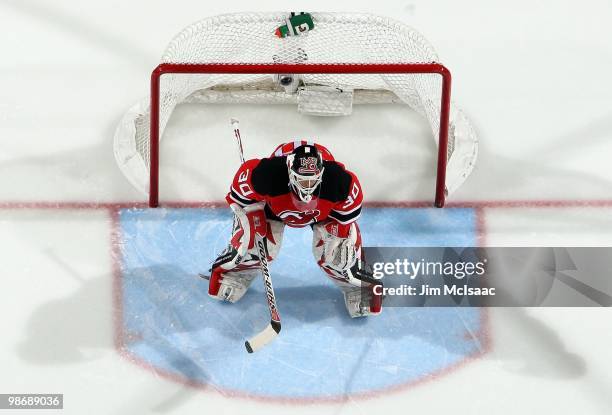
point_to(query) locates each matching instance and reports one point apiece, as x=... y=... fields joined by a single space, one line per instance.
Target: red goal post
x=301 y=68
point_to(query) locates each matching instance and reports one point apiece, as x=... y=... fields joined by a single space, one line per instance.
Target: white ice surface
x=533 y=77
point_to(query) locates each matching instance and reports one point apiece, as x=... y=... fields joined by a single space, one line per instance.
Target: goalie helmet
x=305 y=166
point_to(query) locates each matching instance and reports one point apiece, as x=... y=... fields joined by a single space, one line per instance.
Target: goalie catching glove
x=340 y=245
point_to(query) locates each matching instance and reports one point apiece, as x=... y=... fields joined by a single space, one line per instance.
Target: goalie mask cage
x=346 y=59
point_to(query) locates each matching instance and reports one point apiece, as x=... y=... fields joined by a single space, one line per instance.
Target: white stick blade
x=261 y=339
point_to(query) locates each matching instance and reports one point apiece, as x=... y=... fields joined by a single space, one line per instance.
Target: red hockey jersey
x=339 y=198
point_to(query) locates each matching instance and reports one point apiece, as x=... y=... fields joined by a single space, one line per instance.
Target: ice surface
x=169 y=321
x=533 y=76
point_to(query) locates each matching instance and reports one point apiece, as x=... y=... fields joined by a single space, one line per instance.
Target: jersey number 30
x=244 y=187
x=352 y=197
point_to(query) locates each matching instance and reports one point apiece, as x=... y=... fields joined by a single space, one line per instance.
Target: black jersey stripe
x=345 y=218
x=239 y=199
x=346 y=212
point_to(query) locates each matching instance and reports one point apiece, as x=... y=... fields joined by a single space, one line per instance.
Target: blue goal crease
x=321 y=351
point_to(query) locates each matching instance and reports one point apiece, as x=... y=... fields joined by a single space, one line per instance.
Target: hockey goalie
x=299 y=185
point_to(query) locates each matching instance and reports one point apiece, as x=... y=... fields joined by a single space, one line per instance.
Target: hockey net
x=345 y=59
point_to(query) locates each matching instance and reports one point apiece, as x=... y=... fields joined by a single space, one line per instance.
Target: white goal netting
x=249 y=38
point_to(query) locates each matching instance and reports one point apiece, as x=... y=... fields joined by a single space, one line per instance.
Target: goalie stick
x=236 y=126
x=271 y=331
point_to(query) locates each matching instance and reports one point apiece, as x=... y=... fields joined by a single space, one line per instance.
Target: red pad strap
x=376 y=301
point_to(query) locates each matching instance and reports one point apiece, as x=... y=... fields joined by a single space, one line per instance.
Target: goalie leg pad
x=362 y=292
x=232 y=274
x=230 y=286
x=235 y=255
x=274 y=240
x=359 y=305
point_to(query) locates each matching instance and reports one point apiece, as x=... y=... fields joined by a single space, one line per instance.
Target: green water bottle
x=296 y=24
